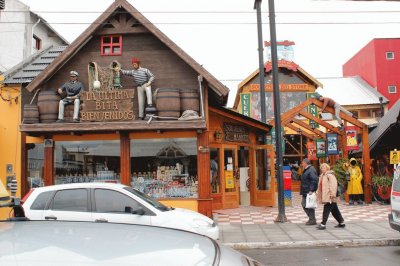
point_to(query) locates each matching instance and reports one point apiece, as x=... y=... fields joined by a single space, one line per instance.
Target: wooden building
x=167 y=155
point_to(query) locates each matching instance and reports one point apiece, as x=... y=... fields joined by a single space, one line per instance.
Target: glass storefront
x=87 y=161
x=35 y=164
x=165 y=168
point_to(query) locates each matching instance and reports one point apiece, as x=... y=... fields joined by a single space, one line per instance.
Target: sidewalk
x=254 y=227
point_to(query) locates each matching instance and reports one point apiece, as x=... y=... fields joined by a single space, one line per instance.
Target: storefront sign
x=245 y=101
x=236 y=133
x=113 y=105
x=321 y=148
x=229 y=181
x=282 y=87
x=332 y=139
x=394 y=157
x=351 y=138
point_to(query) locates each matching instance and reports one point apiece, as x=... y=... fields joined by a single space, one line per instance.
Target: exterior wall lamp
x=218 y=134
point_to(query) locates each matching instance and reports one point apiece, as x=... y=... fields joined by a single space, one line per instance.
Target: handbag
x=311 y=201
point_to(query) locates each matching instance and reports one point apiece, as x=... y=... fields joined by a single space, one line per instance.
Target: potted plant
x=382 y=186
x=340 y=174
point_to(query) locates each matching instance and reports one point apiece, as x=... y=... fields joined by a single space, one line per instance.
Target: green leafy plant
x=340 y=173
x=382 y=181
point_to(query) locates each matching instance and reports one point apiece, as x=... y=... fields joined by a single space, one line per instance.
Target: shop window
x=215 y=179
x=87 y=161
x=392 y=89
x=111 y=45
x=35 y=164
x=165 y=168
x=389 y=55
x=36 y=42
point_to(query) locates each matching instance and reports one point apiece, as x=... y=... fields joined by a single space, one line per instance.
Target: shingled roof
x=389 y=120
x=31 y=67
x=220 y=90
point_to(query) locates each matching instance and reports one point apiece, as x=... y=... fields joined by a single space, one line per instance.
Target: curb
x=317 y=243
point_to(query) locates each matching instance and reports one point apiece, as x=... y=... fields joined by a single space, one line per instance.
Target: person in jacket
x=354 y=187
x=73 y=89
x=309 y=180
x=331 y=103
x=327 y=195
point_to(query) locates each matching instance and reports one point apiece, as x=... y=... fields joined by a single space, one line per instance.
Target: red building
x=378 y=63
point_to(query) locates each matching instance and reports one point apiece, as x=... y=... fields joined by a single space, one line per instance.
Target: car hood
x=186 y=216
x=80 y=243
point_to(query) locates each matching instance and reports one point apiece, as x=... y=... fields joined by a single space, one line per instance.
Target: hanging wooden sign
x=235 y=133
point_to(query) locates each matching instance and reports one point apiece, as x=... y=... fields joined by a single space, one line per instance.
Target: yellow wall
x=10 y=144
x=184 y=204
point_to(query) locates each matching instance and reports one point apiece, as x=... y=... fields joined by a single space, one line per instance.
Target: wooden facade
x=173 y=68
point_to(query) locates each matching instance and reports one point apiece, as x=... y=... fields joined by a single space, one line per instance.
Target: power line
x=209 y=12
x=216 y=23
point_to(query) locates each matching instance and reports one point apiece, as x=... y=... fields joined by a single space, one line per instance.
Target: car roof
x=84 y=243
x=82 y=185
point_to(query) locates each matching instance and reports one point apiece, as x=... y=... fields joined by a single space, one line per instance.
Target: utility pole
x=277 y=113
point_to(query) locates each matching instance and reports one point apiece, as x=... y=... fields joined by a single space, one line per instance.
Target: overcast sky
x=222 y=34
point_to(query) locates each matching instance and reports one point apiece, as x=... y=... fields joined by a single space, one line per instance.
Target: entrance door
x=263 y=178
x=229 y=177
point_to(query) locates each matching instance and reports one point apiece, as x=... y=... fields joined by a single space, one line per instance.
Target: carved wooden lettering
x=114 y=105
x=235 y=133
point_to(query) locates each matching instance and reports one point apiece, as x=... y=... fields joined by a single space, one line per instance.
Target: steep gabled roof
x=281 y=64
x=221 y=90
x=30 y=68
x=391 y=118
x=350 y=91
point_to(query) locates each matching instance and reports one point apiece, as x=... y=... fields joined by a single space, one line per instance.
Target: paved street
x=254 y=227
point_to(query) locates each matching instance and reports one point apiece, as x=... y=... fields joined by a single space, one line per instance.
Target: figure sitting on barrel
x=73 y=89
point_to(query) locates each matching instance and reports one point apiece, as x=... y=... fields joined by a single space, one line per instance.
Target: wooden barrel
x=31 y=114
x=48 y=106
x=168 y=102
x=189 y=99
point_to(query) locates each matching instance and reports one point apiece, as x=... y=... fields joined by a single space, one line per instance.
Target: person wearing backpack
x=327 y=195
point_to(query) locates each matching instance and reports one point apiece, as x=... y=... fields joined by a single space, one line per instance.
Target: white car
x=114 y=203
x=61 y=243
x=394 y=215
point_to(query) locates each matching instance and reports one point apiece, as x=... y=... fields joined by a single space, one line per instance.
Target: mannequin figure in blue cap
x=73 y=88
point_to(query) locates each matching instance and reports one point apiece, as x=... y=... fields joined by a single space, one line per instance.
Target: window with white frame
x=392 y=89
x=389 y=55
x=36 y=42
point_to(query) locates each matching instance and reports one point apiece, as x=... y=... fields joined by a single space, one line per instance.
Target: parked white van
x=394 y=215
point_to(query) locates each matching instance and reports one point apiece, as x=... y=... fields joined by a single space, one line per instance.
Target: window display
x=165 y=168
x=87 y=161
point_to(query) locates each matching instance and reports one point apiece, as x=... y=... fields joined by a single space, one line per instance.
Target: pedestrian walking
x=327 y=195
x=309 y=181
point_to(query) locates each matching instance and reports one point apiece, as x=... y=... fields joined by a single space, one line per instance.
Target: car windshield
x=150 y=200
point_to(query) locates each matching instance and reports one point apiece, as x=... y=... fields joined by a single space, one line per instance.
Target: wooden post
x=48 y=168
x=203 y=174
x=366 y=162
x=125 y=160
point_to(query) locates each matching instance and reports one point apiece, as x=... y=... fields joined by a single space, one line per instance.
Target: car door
x=116 y=207
x=69 y=205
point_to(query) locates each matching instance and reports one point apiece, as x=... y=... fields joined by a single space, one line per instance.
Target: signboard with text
x=112 y=105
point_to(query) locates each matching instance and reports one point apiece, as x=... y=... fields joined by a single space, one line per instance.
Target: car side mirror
x=139 y=211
